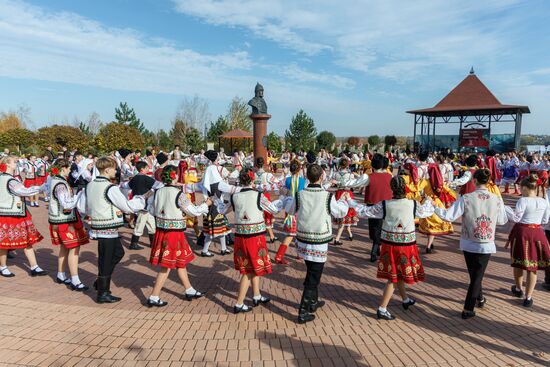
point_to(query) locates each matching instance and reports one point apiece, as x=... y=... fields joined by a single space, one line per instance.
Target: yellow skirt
x=491 y=187
x=434 y=225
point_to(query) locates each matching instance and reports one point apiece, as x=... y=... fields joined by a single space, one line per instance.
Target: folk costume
x=529 y=248
x=342 y=177
x=481 y=211
x=31 y=179
x=189 y=176
x=314 y=208
x=140 y=184
x=17 y=230
x=493 y=185
x=377 y=190
x=414 y=184
x=510 y=174
x=442 y=197
x=105 y=204
x=263 y=179
x=66 y=228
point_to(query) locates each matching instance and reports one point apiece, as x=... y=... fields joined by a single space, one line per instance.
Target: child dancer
x=529 y=246
x=170 y=248
x=66 y=229
x=18 y=231
x=314 y=207
x=263 y=179
x=481 y=211
x=294 y=183
x=189 y=176
x=342 y=176
x=251 y=256
x=105 y=204
x=399 y=259
x=31 y=178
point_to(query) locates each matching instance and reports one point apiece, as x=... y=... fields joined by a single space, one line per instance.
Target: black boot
x=315 y=303
x=134 y=243
x=104 y=291
x=303 y=313
x=200 y=240
x=375 y=252
x=151 y=239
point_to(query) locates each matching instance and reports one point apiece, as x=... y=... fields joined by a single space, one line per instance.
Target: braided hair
x=398 y=187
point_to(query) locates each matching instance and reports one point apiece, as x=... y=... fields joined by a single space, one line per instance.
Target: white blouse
x=529 y=210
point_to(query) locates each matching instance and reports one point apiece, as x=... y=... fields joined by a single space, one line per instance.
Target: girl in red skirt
x=170 y=248
x=16 y=227
x=528 y=244
x=399 y=259
x=251 y=256
x=342 y=176
x=66 y=228
x=264 y=180
x=31 y=178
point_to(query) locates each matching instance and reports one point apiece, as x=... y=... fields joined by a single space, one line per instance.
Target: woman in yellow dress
x=442 y=197
x=414 y=186
x=189 y=176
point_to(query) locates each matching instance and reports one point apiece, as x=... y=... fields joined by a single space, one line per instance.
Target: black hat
x=211 y=155
x=310 y=157
x=124 y=152
x=161 y=158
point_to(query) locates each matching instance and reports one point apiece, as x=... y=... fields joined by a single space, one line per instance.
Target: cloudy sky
x=355 y=66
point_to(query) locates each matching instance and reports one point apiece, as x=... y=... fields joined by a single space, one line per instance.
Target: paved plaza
x=45 y=324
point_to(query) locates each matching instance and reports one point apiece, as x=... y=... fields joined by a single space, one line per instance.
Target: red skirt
x=70 y=235
x=40 y=180
x=522 y=175
x=251 y=255
x=351 y=217
x=18 y=232
x=268 y=217
x=170 y=249
x=289 y=225
x=31 y=182
x=400 y=263
x=529 y=248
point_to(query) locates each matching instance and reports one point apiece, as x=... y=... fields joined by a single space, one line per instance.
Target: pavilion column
x=260 y=135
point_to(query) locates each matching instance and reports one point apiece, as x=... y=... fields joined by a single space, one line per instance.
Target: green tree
x=126 y=115
x=326 y=140
x=274 y=142
x=178 y=132
x=301 y=132
x=115 y=135
x=390 y=140
x=19 y=138
x=163 y=140
x=238 y=115
x=194 y=139
x=58 y=136
x=374 y=140
x=216 y=129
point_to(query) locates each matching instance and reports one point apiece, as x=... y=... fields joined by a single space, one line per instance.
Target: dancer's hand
x=507 y=244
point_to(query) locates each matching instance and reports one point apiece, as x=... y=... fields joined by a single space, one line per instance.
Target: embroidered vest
x=313 y=218
x=398 y=226
x=342 y=177
x=10 y=205
x=56 y=213
x=168 y=214
x=30 y=171
x=470 y=186
x=103 y=214
x=249 y=216
x=42 y=169
x=379 y=188
x=481 y=210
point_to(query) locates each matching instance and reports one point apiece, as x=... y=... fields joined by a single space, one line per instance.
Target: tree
x=163 y=140
x=217 y=128
x=126 y=115
x=326 y=140
x=390 y=140
x=194 y=140
x=116 y=135
x=301 y=132
x=274 y=142
x=354 y=141
x=373 y=140
x=58 y=136
x=238 y=115
x=9 y=121
x=178 y=132
x=194 y=112
x=18 y=138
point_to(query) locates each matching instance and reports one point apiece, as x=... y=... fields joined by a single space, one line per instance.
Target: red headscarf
x=182 y=168
x=437 y=183
x=413 y=169
x=491 y=164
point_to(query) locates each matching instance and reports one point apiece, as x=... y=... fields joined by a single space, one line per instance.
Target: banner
x=474 y=138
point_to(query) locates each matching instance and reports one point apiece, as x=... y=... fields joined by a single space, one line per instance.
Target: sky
x=354 y=66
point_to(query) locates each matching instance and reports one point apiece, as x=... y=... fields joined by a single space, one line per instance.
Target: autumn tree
x=301 y=132
x=354 y=141
x=178 y=132
x=238 y=116
x=194 y=112
x=116 y=135
x=326 y=140
x=163 y=140
x=18 y=138
x=58 y=136
x=9 y=120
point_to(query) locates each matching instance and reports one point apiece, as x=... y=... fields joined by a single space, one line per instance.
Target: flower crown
x=54 y=171
x=169 y=176
x=3 y=167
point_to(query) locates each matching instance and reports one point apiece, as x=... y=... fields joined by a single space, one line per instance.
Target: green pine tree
x=301 y=133
x=126 y=115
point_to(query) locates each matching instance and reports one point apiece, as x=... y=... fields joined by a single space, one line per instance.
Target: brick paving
x=45 y=324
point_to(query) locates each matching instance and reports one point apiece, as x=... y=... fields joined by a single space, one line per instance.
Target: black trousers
x=547 y=270
x=476 y=263
x=375 y=233
x=110 y=252
x=313 y=275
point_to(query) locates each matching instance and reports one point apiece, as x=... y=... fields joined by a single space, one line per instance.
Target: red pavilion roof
x=236 y=134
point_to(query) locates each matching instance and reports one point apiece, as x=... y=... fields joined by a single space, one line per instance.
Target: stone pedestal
x=260 y=135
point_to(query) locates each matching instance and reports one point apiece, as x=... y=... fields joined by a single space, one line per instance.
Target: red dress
x=529 y=247
x=400 y=262
x=70 y=235
x=251 y=255
x=18 y=232
x=351 y=216
x=268 y=217
x=170 y=249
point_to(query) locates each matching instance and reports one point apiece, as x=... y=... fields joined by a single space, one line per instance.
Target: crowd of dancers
x=399 y=193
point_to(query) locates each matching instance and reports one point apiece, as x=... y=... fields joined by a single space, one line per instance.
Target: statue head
x=259 y=90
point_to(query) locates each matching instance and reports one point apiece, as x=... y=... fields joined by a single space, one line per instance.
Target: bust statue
x=258 y=103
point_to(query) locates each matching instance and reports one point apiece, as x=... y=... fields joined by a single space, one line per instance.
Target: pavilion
x=235 y=135
x=471 y=105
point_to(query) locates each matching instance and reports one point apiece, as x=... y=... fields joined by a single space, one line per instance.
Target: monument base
x=260 y=135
